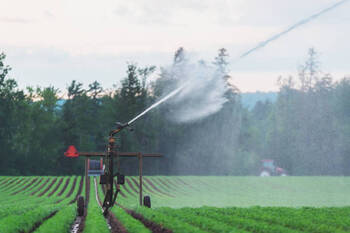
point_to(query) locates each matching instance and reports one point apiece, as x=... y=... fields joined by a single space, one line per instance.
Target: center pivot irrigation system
x=105 y=168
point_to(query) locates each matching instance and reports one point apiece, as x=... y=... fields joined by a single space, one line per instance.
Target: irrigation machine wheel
x=147 y=201
x=80 y=205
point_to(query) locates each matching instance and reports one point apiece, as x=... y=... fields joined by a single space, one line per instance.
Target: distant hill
x=249 y=99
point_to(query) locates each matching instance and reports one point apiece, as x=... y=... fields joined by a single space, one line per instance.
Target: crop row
x=95 y=221
x=304 y=219
x=24 y=211
x=127 y=221
x=254 y=219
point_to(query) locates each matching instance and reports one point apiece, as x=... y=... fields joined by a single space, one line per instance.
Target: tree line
x=306 y=130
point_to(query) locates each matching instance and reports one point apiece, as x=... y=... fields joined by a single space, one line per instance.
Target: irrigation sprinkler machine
x=105 y=168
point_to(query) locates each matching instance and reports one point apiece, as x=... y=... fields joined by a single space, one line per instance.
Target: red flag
x=71 y=152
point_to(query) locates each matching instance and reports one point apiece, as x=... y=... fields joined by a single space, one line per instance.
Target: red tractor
x=268 y=168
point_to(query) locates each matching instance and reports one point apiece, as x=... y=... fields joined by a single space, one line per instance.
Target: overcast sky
x=53 y=42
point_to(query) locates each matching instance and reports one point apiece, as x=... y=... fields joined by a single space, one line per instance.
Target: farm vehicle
x=268 y=168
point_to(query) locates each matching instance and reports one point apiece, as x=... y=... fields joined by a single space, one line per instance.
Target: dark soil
x=64 y=188
x=116 y=226
x=55 y=189
x=25 y=187
x=45 y=182
x=154 y=227
x=48 y=187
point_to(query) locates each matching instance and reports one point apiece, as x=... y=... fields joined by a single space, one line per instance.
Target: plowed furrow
x=25 y=187
x=56 y=187
x=41 y=186
x=64 y=187
x=47 y=188
x=34 y=185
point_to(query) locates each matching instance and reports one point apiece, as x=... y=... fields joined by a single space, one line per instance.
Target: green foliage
x=60 y=222
x=204 y=223
x=172 y=223
x=95 y=221
x=305 y=129
x=131 y=225
x=22 y=212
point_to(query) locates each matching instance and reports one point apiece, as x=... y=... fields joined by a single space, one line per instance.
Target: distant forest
x=306 y=129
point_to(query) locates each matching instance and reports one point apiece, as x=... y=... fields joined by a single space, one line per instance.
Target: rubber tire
x=80 y=205
x=147 y=201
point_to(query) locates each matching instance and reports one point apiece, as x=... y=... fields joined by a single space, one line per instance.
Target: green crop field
x=179 y=204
